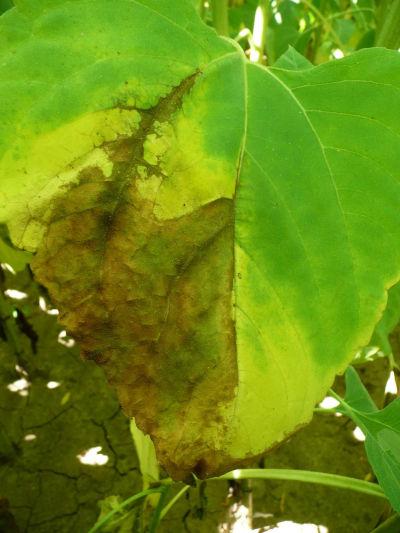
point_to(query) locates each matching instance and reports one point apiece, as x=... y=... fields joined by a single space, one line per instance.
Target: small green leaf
x=5 y=5
x=292 y=60
x=382 y=434
x=382 y=444
x=147 y=456
x=357 y=396
x=389 y=320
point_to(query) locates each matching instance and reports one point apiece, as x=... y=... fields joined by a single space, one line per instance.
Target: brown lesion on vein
x=150 y=300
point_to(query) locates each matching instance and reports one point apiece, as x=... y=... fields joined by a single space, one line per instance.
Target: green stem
x=124 y=504
x=173 y=501
x=306 y=476
x=158 y=510
x=220 y=16
x=202 y=9
x=325 y=411
x=339 y=399
x=388 y=33
x=325 y=22
x=340 y=14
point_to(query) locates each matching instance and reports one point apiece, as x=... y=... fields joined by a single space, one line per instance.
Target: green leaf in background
x=283 y=32
x=241 y=15
x=382 y=434
x=357 y=396
x=292 y=60
x=379 y=344
x=192 y=214
x=17 y=259
x=4 y=5
x=147 y=456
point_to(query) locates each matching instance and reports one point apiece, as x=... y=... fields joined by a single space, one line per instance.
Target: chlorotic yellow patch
x=148 y=187
x=72 y=148
x=182 y=159
x=157 y=144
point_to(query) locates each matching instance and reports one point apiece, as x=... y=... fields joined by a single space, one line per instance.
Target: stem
x=322 y=478
x=124 y=504
x=173 y=501
x=331 y=411
x=220 y=16
x=338 y=398
x=388 y=33
x=325 y=22
x=340 y=14
x=158 y=510
x=202 y=9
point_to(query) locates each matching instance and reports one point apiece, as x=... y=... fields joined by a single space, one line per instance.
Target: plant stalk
x=173 y=501
x=388 y=31
x=220 y=16
x=306 y=476
x=156 y=518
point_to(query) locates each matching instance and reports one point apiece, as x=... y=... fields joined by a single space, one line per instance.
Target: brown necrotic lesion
x=151 y=300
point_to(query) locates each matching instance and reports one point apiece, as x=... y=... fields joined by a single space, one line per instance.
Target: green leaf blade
x=382 y=434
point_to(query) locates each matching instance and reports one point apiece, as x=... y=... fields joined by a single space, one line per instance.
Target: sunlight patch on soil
x=9 y=268
x=391 y=385
x=358 y=434
x=93 y=457
x=329 y=403
x=19 y=386
x=45 y=307
x=65 y=340
x=53 y=384
x=15 y=294
x=30 y=437
x=293 y=527
x=240 y=522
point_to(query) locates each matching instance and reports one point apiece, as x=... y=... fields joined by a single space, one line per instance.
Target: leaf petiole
x=306 y=476
x=220 y=16
x=173 y=501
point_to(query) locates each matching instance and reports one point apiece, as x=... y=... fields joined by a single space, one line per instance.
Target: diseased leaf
x=192 y=213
